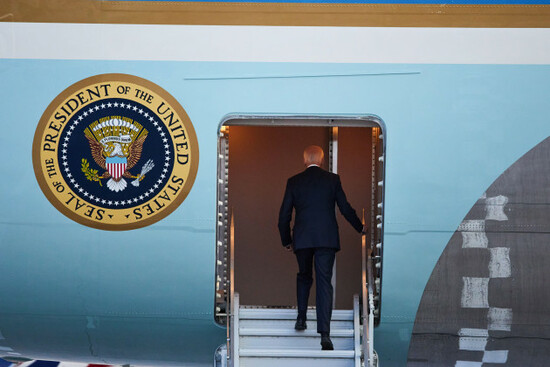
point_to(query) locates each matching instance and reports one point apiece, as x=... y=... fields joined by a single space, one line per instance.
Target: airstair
x=265 y=337
x=259 y=336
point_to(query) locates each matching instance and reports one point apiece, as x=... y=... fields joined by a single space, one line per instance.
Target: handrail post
x=371 y=311
x=367 y=292
x=230 y=305
x=371 y=330
x=364 y=259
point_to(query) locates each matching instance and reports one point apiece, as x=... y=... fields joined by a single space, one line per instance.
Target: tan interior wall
x=261 y=159
x=354 y=168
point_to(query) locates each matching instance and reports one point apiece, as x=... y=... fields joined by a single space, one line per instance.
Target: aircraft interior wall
x=261 y=159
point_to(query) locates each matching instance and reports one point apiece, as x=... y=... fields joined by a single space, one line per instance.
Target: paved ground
x=487 y=303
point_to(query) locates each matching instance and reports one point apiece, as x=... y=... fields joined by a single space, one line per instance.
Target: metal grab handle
x=364 y=256
x=367 y=293
x=370 y=275
x=232 y=309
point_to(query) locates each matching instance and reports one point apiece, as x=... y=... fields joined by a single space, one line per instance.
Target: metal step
x=302 y=353
x=294 y=342
x=290 y=332
x=295 y=362
x=265 y=337
x=290 y=314
x=289 y=324
x=299 y=358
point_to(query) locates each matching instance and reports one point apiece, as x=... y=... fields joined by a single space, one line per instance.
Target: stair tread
x=289 y=314
x=301 y=353
x=289 y=324
x=299 y=362
x=336 y=333
x=303 y=343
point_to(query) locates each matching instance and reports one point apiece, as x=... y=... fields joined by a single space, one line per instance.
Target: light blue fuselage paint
x=451 y=130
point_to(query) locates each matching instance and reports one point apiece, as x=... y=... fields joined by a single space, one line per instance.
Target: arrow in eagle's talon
x=146 y=168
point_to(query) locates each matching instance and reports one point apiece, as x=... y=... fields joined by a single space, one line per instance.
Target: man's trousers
x=324 y=262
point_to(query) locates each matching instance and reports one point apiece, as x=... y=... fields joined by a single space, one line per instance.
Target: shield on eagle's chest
x=116 y=166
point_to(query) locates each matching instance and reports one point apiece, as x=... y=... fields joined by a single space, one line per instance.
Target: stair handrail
x=230 y=307
x=370 y=274
x=364 y=256
x=367 y=293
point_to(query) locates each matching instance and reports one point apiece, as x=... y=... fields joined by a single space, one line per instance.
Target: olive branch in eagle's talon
x=91 y=174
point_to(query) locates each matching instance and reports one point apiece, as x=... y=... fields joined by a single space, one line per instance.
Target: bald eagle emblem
x=116 y=144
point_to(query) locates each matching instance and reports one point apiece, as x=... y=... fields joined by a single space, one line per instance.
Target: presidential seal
x=115 y=152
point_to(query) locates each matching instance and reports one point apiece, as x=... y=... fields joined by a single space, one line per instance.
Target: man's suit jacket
x=314 y=193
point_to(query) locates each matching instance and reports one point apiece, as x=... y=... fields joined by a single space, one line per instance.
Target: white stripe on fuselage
x=274 y=44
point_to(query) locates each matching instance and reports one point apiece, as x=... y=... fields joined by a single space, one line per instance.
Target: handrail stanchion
x=230 y=306
x=367 y=292
x=371 y=310
x=364 y=259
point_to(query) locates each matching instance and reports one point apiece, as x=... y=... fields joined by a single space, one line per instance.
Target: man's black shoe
x=326 y=343
x=300 y=324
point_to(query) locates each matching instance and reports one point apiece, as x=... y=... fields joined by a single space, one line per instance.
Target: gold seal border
x=58 y=100
x=179 y=171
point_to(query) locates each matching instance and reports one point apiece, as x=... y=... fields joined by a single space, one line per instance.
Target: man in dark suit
x=313 y=194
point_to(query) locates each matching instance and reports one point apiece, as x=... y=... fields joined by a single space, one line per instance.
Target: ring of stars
x=145 y=195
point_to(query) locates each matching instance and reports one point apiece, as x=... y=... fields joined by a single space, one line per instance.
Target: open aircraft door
x=255 y=278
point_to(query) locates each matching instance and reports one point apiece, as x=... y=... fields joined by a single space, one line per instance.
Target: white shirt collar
x=312 y=165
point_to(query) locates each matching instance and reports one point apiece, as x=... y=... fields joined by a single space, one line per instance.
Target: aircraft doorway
x=256 y=157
